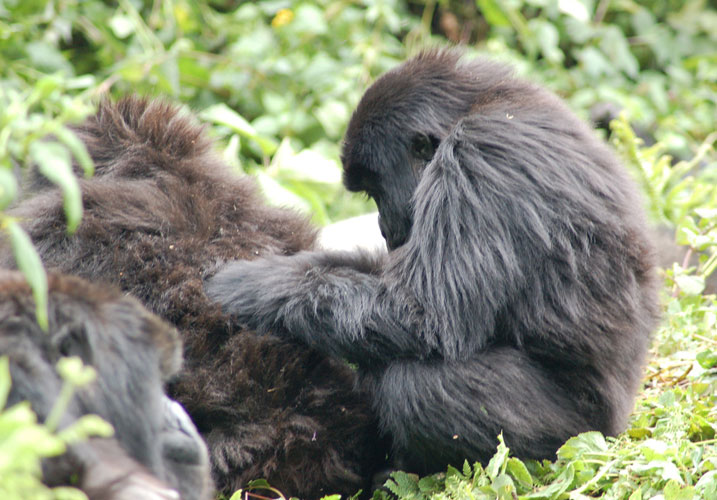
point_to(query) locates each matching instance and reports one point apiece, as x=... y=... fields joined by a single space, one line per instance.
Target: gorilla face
x=393 y=135
x=390 y=176
x=155 y=451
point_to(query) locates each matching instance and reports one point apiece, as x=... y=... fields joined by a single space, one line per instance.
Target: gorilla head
x=155 y=451
x=401 y=114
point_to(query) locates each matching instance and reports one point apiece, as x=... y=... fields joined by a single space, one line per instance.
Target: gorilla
x=156 y=452
x=160 y=215
x=518 y=294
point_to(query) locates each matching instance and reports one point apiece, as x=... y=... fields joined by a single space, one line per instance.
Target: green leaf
x=467 y=470
x=430 y=484
x=504 y=487
x=29 y=263
x=237 y=495
x=453 y=472
x=78 y=149
x=639 y=433
x=85 y=427
x=557 y=487
x=4 y=380
x=707 y=485
x=278 y=195
x=707 y=359
x=519 y=471
x=493 y=13
x=689 y=284
x=575 y=9
x=21 y=434
x=73 y=370
x=45 y=86
x=403 y=484
x=707 y=213
x=305 y=166
x=617 y=47
x=309 y=20
x=68 y=493
x=53 y=161
x=122 y=25
x=224 y=115
x=45 y=57
x=586 y=443
x=8 y=187
x=333 y=116
x=548 y=39
x=674 y=491
x=258 y=484
x=497 y=463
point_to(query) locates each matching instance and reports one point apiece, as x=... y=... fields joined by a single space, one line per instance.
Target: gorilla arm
x=334 y=302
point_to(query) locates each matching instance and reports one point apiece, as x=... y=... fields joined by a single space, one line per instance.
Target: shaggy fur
x=133 y=352
x=161 y=213
x=518 y=295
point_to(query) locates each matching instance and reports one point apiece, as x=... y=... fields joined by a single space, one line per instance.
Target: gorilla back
x=518 y=295
x=160 y=214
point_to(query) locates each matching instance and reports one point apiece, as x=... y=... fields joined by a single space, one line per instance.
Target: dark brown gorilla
x=161 y=213
x=156 y=451
x=518 y=293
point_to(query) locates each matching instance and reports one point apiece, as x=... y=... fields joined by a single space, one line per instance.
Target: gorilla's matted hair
x=160 y=214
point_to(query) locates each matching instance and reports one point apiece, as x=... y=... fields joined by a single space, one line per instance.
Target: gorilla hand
x=256 y=292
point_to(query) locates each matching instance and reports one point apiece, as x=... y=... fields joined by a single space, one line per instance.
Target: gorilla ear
x=424 y=147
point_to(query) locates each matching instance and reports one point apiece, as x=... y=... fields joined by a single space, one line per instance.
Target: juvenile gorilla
x=518 y=294
x=160 y=214
x=156 y=450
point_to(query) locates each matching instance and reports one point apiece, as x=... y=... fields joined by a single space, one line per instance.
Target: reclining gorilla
x=156 y=451
x=160 y=214
x=518 y=294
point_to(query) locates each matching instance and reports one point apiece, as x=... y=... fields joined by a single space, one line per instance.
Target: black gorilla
x=155 y=446
x=518 y=294
x=161 y=213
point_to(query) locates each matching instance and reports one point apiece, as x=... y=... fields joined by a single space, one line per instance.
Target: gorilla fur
x=155 y=446
x=161 y=213
x=518 y=294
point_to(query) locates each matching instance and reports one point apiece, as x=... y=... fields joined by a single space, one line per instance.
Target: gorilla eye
x=422 y=147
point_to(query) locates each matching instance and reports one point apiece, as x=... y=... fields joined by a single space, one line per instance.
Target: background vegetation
x=276 y=82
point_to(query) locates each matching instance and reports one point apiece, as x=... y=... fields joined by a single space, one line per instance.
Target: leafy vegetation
x=276 y=82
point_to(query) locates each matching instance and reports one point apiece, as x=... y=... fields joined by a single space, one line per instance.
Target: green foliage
x=33 y=118
x=657 y=59
x=24 y=441
x=681 y=196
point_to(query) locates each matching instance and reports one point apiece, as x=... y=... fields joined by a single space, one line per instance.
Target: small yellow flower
x=282 y=18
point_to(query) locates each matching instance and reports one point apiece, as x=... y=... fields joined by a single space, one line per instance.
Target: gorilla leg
x=440 y=413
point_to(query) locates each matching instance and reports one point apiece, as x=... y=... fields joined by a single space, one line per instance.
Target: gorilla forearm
x=335 y=302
